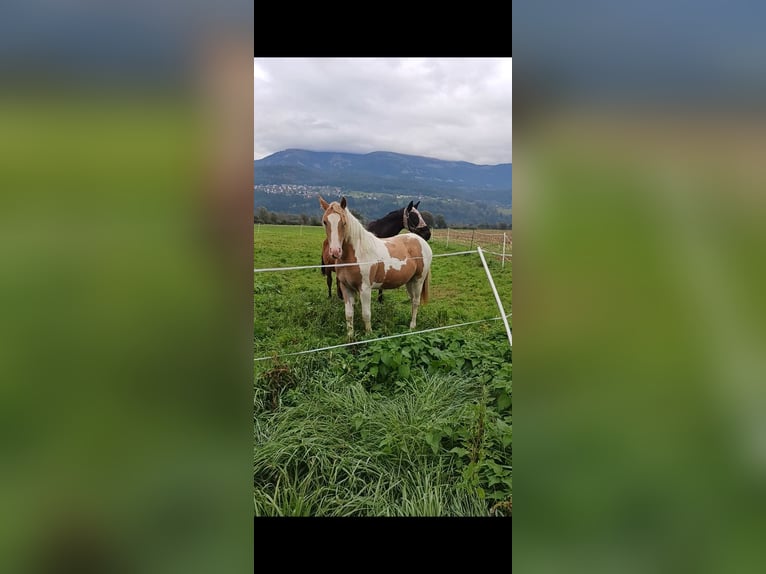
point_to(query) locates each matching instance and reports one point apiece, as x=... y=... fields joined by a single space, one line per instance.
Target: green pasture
x=411 y=426
x=293 y=312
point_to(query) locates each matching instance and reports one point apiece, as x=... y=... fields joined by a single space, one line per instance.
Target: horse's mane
x=388 y=225
x=392 y=213
x=356 y=234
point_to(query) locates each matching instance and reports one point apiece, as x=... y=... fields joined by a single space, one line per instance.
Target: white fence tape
x=478 y=250
x=364 y=342
x=497 y=296
x=334 y=265
x=507 y=255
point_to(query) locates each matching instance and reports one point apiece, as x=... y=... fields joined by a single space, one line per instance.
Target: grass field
x=293 y=312
x=410 y=426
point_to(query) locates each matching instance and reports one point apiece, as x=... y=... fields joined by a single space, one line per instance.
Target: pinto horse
x=381 y=263
x=387 y=226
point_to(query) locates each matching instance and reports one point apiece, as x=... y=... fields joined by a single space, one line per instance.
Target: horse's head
x=335 y=224
x=415 y=222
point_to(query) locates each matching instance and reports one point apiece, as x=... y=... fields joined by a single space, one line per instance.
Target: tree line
x=456 y=213
x=434 y=221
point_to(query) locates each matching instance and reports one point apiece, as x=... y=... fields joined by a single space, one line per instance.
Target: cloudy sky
x=455 y=109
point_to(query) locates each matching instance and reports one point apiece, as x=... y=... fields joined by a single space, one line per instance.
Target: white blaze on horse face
x=335 y=244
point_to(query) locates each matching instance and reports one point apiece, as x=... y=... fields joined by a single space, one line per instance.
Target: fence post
x=497 y=297
x=473 y=233
x=502 y=266
x=448 y=237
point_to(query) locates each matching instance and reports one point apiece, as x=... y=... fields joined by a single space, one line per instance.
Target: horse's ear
x=409 y=206
x=323 y=203
x=416 y=205
x=343 y=202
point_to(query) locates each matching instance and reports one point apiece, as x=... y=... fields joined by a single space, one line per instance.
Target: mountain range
x=375 y=183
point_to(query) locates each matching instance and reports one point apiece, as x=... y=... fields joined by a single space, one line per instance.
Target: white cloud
x=454 y=109
x=260 y=74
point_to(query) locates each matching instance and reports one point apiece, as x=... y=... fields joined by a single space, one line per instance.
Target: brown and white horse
x=382 y=263
x=391 y=224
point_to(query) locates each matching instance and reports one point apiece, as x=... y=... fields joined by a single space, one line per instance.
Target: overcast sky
x=455 y=109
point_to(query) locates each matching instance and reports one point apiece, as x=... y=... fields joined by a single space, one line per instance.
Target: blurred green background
x=639 y=250
x=125 y=277
x=639 y=327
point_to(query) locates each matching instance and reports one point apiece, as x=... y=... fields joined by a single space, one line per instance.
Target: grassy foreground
x=413 y=426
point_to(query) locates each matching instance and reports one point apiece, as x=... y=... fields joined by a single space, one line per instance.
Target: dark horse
x=387 y=226
x=406 y=218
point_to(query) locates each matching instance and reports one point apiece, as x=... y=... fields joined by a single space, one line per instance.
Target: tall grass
x=334 y=449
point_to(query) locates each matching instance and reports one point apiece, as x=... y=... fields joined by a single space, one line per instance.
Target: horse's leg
x=380 y=295
x=413 y=288
x=366 y=296
x=337 y=287
x=327 y=272
x=348 y=298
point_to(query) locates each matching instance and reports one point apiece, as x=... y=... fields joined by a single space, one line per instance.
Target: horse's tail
x=424 y=292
